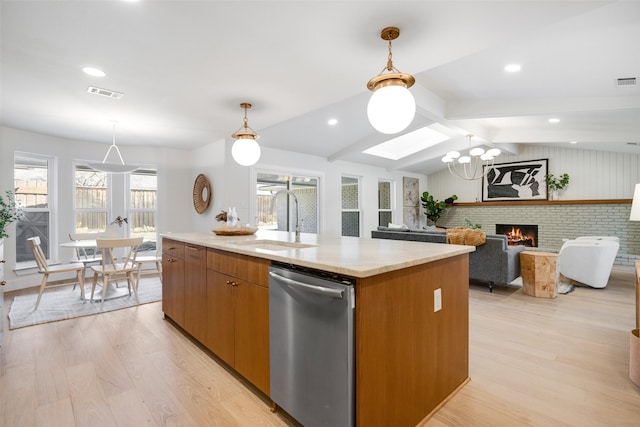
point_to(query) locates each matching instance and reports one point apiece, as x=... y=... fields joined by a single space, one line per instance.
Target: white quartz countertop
x=351 y=256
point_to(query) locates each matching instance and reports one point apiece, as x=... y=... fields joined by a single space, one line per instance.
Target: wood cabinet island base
x=410 y=357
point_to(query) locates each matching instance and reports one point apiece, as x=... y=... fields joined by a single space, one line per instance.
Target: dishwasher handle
x=330 y=292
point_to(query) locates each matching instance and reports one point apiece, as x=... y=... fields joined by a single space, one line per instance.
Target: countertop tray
x=243 y=231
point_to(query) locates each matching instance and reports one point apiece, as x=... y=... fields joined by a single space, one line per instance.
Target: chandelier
x=391 y=108
x=112 y=167
x=245 y=150
x=473 y=166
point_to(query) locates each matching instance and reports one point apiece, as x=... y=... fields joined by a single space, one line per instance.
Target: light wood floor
x=533 y=362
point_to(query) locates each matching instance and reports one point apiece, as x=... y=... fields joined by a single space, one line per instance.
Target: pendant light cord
x=113 y=145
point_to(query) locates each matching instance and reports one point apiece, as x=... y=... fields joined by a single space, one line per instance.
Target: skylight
x=407 y=144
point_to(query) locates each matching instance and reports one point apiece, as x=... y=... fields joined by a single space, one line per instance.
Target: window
x=283 y=218
x=143 y=206
x=34 y=192
x=91 y=200
x=350 y=206
x=385 y=197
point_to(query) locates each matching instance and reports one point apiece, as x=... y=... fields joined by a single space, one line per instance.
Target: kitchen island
x=410 y=357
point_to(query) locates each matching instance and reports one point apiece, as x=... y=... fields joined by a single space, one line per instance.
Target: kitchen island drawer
x=173 y=248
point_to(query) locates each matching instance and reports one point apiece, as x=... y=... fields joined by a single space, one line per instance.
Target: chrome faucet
x=295 y=198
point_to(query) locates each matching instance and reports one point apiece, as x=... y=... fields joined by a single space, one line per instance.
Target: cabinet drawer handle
x=193 y=248
x=171 y=260
x=4 y=282
x=172 y=248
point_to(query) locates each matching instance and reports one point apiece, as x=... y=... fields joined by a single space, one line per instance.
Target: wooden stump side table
x=538 y=271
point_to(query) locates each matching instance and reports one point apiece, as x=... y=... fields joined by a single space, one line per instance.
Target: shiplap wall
x=593 y=174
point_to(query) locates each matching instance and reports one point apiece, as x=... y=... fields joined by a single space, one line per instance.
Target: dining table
x=112 y=289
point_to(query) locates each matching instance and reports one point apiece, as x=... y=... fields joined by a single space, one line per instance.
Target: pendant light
x=245 y=150
x=392 y=107
x=112 y=167
x=473 y=166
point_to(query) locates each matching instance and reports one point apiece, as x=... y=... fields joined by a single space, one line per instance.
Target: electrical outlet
x=437 y=300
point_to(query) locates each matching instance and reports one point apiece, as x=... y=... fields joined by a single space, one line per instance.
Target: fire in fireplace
x=526 y=235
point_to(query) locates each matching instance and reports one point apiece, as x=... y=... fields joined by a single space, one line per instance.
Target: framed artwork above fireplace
x=516 y=181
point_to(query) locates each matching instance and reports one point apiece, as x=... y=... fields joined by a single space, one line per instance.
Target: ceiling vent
x=105 y=92
x=626 y=82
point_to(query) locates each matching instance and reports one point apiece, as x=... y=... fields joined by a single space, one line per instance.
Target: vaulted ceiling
x=185 y=66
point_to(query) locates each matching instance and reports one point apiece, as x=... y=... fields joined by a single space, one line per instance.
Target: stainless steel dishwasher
x=311 y=345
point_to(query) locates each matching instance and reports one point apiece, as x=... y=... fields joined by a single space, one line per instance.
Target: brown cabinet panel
x=408 y=357
x=173 y=288
x=252 y=334
x=227 y=262
x=195 y=291
x=173 y=248
x=238 y=313
x=258 y=271
x=220 y=315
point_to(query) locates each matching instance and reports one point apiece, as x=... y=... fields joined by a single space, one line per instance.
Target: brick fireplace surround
x=556 y=220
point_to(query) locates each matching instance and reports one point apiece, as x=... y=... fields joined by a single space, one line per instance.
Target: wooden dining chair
x=46 y=270
x=112 y=267
x=156 y=259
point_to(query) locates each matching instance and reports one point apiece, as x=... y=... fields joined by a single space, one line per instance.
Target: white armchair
x=588 y=261
x=613 y=238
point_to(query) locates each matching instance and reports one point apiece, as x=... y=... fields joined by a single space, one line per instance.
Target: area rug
x=66 y=304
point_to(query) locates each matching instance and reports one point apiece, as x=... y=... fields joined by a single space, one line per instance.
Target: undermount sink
x=272 y=245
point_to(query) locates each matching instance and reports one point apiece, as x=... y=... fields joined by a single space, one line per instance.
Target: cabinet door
x=173 y=288
x=195 y=291
x=220 y=310
x=252 y=334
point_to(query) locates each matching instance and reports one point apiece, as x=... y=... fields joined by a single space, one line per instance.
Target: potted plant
x=433 y=209
x=471 y=225
x=556 y=184
x=9 y=212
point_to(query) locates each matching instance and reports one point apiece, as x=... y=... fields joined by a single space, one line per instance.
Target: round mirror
x=201 y=193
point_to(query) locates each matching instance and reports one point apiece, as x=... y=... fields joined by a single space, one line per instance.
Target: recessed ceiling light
x=513 y=68
x=407 y=144
x=573 y=142
x=554 y=120
x=332 y=122
x=94 y=72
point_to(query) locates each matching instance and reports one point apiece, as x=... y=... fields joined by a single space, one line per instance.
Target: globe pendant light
x=112 y=167
x=245 y=149
x=392 y=107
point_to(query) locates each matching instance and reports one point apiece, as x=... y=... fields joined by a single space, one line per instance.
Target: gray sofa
x=494 y=262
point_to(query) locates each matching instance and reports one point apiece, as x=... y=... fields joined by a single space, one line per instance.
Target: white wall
x=177 y=170
x=239 y=191
x=210 y=161
x=593 y=174
x=174 y=182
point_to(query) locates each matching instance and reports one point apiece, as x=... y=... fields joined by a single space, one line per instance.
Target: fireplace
x=519 y=234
